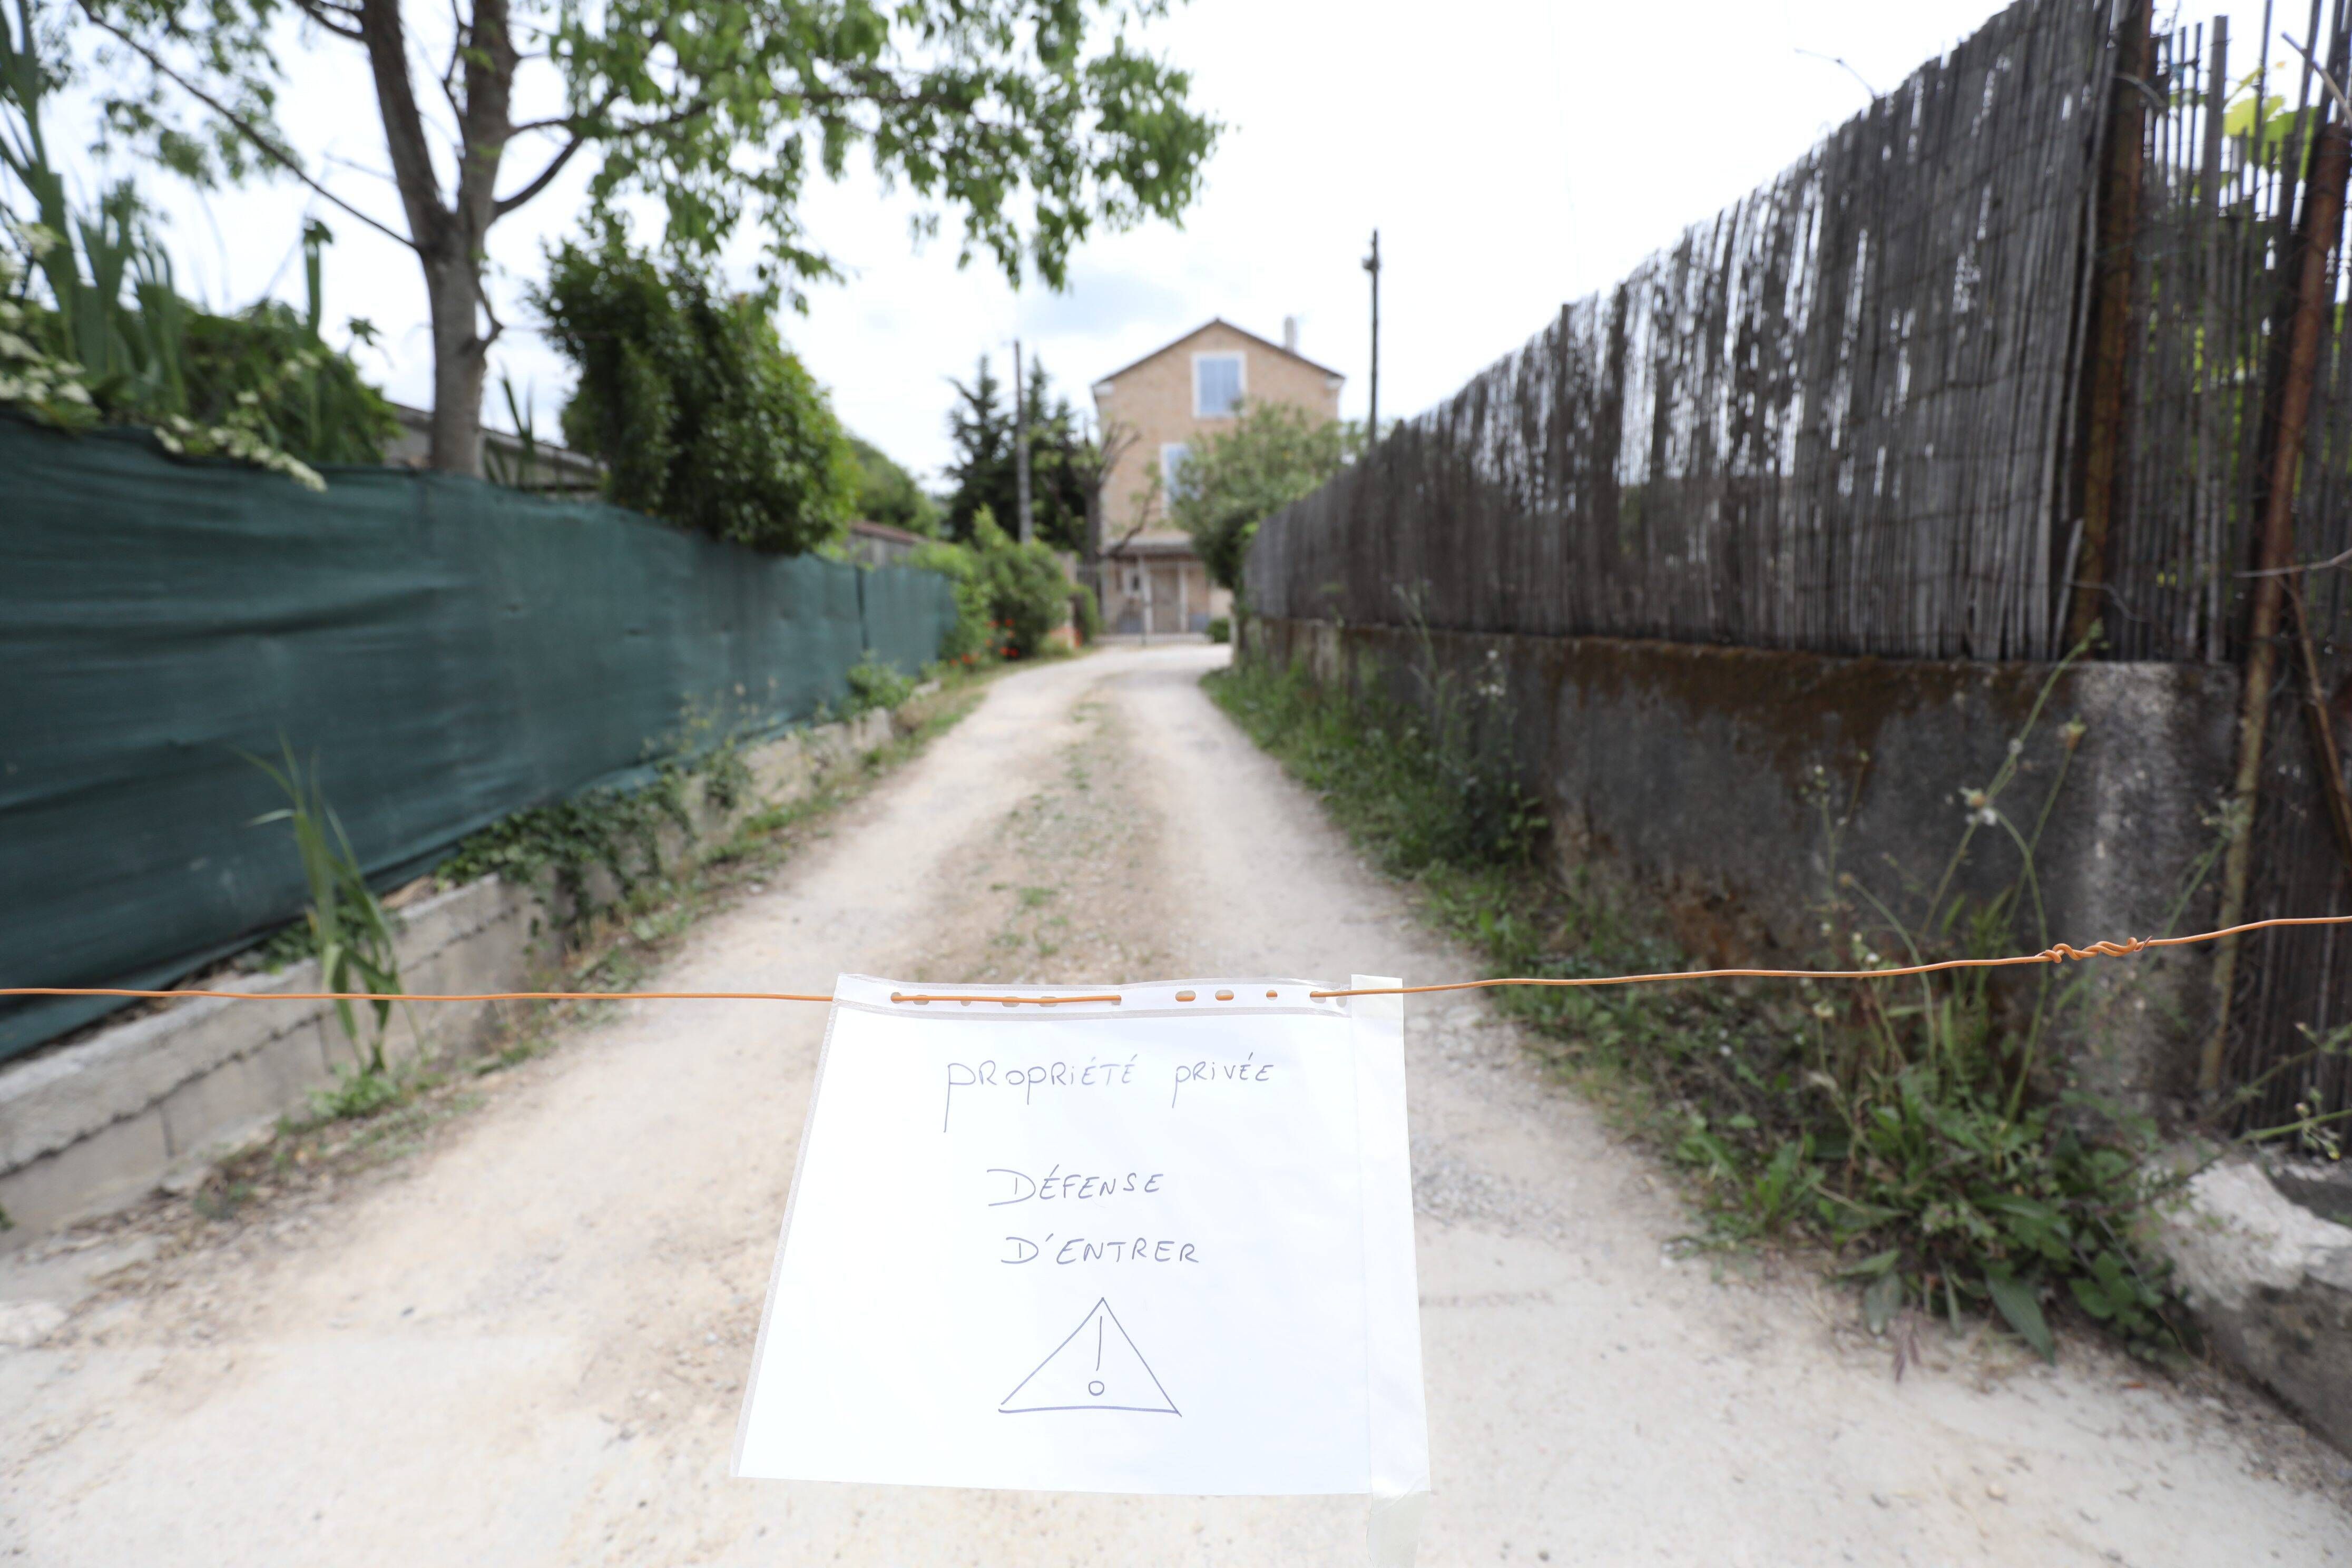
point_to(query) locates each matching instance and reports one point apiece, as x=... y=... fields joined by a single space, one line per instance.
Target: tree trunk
x=459 y=363
x=449 y=239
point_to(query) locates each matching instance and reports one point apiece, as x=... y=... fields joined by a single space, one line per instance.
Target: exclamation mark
x=1096 y=1387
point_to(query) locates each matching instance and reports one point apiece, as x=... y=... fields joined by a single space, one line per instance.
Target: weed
x=220 y=1203
x=617 y=829
x=512 y=1054
x=356 y=1095
x=345 y=929
x=1919 y=1129
x=873 y=684
x=370 y=1117
x=727 y=781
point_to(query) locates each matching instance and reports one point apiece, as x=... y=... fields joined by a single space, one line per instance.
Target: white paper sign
x=1160 y=1245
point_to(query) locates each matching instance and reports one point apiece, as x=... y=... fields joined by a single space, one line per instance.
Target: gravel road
x=524 y=1343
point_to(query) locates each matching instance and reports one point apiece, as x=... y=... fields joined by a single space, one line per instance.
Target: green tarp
x=450 y=651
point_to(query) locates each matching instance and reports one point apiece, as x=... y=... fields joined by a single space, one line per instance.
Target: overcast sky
x=1513 y=154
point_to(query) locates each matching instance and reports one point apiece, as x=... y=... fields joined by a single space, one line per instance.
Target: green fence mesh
x=449 y=652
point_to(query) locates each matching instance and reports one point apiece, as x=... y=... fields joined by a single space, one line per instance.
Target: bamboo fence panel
x=1831 y=418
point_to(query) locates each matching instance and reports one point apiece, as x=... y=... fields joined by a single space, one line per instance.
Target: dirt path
x=525 y=1344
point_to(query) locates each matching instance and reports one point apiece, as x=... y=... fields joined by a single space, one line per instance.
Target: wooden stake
x=2114 y=241
x=2322 y=226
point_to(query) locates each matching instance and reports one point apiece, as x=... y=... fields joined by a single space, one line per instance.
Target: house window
x=1217 y=386
x=1173 y=454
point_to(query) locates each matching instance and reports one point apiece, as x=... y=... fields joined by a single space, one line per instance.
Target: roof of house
x=884 y=531
x=1156 y=541
x=1219 y=321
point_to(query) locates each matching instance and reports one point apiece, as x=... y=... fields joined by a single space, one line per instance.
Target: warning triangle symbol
x=1097 y=1368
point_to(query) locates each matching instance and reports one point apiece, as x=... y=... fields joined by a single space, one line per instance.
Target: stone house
x=1147 y=576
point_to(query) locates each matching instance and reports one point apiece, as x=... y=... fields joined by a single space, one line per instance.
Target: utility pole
x=1372 y=265
x=1020 y=445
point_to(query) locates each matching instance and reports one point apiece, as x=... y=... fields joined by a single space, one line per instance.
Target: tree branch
x=828 y=95
x=2341 y=558
x=340 y=20
x=404 y=130
x=2320 y=72
x=359 y=168
x=242 y=126
x=498 y=328
x=578 y=124
x=457 y=56
x=538 y=181
x=1839 y=61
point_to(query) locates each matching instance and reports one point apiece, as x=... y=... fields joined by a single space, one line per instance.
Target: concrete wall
x=1700 y=776
x=97 y=1123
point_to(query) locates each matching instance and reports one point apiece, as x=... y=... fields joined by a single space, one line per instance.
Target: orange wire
x=2055 y=954
x=426 y=996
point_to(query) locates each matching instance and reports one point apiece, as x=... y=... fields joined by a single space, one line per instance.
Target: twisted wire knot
x=2061 y=952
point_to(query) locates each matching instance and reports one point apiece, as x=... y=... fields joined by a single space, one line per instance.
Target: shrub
x=968 y=641
x=1009 y=597
x=1273 y=454
x=1085 y=612
x=267 y=366
x=700 y=415
x=1220 y=629
x=873 y=684
x=888 y=493
x=260 y=386
x=1027 y=594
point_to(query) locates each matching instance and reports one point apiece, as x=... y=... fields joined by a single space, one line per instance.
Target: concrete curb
x=2272 y=1283
x=95 y=1126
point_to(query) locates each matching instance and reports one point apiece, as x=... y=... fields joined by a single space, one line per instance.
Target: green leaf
x=1881 y=1301
x=2035 y=1224
x=2014 y=1298
x=1705 y=1148
x=1877 y=1263
x=2092 y=1297
x=349 y=935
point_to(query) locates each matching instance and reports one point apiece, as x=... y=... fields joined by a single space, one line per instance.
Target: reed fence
x=1878 y=407
x=1828 y=419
